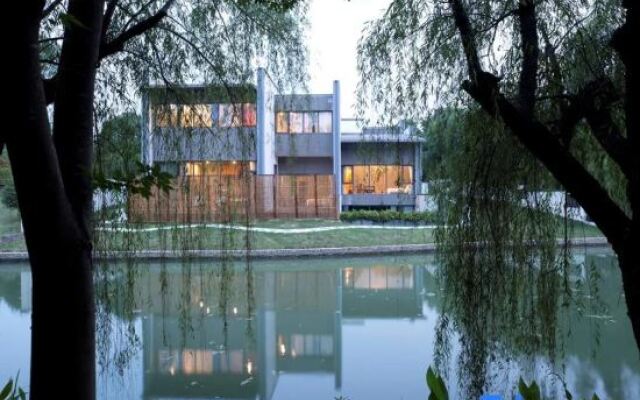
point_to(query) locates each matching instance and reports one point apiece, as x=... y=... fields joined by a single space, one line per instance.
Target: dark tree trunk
x=629 y=261
x=52 y=179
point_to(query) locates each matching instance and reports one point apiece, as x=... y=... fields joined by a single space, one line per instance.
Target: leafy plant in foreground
x=11 y=391
x=438 y=390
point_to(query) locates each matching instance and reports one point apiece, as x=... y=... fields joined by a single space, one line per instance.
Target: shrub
x=383 y=216
x=9 y=196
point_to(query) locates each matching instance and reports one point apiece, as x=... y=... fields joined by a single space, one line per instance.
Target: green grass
x=9 y=220
x=213 y=238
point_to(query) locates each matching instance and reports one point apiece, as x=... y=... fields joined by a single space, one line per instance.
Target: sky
x=336 y=26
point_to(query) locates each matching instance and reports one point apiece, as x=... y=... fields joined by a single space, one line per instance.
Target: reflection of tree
x=10 y=288
x=512 y=318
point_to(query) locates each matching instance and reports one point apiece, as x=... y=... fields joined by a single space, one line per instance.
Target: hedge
x=383 y=216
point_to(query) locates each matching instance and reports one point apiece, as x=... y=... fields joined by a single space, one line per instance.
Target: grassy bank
x=170 y=238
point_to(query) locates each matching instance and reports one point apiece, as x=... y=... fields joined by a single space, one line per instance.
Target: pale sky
x=336 y=26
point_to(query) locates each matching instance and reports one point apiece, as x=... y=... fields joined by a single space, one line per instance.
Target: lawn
x=216 y=238
x=9 y=220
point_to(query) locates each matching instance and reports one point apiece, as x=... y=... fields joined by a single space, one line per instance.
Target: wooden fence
x=214 y=198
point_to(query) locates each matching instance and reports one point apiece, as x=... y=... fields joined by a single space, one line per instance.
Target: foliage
x=412 y=63
x=438 y=390
x=11 y=391
x=436 y=386
x=139 y=181
x=117 y=147
x=7 y=188
x=387 y=216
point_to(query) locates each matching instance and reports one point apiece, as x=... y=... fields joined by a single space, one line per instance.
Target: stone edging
x=17 y=256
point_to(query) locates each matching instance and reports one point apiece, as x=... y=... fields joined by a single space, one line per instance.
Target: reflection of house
x=382 y=292
x=296 y=329
x=254 y=151
x=188 y=352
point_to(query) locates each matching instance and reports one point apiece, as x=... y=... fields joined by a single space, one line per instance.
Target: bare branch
x=530 y=52
x=108 y=16
x=117 y=44
x=540 y=141
x=50 y=8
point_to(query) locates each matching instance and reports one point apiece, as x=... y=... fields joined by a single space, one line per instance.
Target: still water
x=356 y=328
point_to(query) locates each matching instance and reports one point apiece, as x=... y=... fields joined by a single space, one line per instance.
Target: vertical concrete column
x=265 y=140
x=417 y=168
x=337 y=152
x=146 y=145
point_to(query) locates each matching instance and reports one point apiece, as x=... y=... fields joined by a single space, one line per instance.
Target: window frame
x=401 y=181
x=305 y=114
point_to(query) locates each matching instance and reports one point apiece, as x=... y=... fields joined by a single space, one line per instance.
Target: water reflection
x=363 y=328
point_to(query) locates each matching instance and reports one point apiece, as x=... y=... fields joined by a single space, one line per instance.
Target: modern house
x=247 y=150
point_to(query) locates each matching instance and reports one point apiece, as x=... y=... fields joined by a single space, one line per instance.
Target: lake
x=326 y=328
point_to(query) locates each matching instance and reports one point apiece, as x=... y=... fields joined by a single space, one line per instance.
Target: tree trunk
x=629 y=262
x=59 y=246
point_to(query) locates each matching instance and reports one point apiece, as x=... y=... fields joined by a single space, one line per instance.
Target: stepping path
x=265 y=230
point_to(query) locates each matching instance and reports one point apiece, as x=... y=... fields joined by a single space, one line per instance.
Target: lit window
x=201 y=116
x=347 y=179
x=377 y=179
x=310 y=123
x=325 y=122
x=282 y=122
x=164 y=115
x=296 y=122
x=249 y=114
x=193 y=169
x=230 y=115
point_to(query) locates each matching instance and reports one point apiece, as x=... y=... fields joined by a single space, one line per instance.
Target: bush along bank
x=389 y=216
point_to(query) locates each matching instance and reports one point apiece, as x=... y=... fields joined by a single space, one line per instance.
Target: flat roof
x=353 y=132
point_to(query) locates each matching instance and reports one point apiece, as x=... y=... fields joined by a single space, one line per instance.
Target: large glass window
x=282 y=122
x=377 y=179
x=230 y=115
x=248 y=114
x=325 y=122
x=197 y=116
x=165 y=115
x=296 y=122
x=204 y=115
x=310 y=122
x=347 y=179
x=234 y=169
x=303 y=122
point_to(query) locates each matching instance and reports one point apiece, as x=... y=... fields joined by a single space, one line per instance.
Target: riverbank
x=17 y=256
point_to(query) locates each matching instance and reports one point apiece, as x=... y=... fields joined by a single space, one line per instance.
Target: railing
x=214 y=198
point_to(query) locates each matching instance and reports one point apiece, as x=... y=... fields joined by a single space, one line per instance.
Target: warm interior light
x=249 y=367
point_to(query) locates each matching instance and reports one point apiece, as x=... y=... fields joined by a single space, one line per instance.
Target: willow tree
x=555 y=78
x=74 y=63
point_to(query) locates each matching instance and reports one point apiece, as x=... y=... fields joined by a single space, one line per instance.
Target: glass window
x=249 y=114
x=282 y=122
x=325 y=122
x=361 y=179
x=296 y=122
x=310 y=122
x=201 y=116
x=378 y=179
x=193 y=169
x=347 y=179
x=165 y=115
x=186 y=117
x=230 y=115
x=392 y=176
x=215 y=114
x=407 y=175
